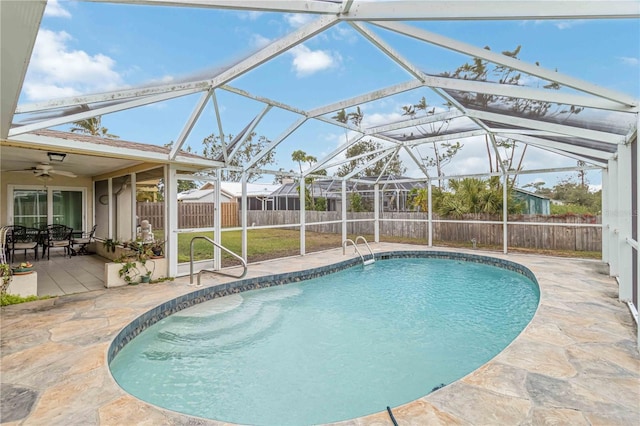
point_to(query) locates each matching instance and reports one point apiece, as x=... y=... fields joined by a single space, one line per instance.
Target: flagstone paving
x=576 y=363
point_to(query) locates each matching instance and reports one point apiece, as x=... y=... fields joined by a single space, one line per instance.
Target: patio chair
x=23 y=238
x=83 y=241
x=57 y=236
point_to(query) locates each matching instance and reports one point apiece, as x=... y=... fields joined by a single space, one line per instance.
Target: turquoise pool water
x=331 y=348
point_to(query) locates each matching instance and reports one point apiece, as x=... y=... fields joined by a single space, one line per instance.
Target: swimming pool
x=332 y=348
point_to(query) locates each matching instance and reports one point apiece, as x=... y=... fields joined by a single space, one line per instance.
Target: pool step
x=180 y=346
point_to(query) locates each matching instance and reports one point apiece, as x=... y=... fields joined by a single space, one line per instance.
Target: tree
x=471 y=195
x=481 y=70
x=92 y=126
x=443 y=152
x=395 y=167
x=576 y=197
x=250 y=148
x=311 y=202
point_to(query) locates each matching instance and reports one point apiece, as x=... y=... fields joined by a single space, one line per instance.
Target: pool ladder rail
x=213 y=271
x=355 y=246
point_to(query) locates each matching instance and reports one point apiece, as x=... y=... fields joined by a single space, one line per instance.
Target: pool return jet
x=355 y=246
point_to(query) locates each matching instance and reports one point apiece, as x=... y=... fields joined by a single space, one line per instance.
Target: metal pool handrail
x=213 y=271
x=355 y=246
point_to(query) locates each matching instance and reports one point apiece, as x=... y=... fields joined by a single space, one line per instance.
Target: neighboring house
x=394 y=194
x=534 y=203
x=258 y=194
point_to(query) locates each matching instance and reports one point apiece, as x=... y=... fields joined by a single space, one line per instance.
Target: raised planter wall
x=112 y=278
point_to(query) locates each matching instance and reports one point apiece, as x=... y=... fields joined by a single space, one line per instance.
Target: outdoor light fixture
x=58 y=157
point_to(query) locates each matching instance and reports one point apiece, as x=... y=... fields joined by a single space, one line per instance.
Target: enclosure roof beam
x=515 y=64
x=250 y=130
x=186 y=129
x=425 y=10
x=422 y=10
x=367 y=97
x=388 y=50
x=561 y=129
x=523 y=92
x=265 y=54
x=346 y=159
x=321 y=164
x=275 y=143
x=85 y=113
x=263 y=100
x=447 y=115
x=369 y=163
x=443 y=138
x=223 y=143
x=290 y=6
x=566 y=148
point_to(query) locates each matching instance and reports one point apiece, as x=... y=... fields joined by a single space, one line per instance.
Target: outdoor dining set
x=18 y=238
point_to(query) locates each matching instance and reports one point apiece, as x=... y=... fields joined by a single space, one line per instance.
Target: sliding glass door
x=37 y=207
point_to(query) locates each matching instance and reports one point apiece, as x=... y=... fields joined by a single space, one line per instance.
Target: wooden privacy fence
x=554 y=232
x=190 y=215
x=550 y=233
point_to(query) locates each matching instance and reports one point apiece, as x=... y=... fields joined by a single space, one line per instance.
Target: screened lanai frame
x=608 y=144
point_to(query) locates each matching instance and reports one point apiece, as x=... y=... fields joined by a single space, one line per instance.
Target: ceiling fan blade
x=63 y=173
x=20 y=171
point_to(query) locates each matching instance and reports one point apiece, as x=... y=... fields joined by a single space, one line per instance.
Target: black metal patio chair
x=23 y=238
x=83 y=241
x=58 y=236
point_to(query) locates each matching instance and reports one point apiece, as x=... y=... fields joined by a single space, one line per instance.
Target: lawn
x=263 y=244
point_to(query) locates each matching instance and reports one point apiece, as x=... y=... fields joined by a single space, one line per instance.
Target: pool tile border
x=170 y=307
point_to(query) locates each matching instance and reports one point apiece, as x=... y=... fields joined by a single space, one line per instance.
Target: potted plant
x=157 y=248
x=110 y=244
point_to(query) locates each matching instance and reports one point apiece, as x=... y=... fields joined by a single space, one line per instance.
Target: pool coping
x=577 y=362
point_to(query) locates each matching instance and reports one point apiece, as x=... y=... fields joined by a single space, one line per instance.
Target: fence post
x=302 y=216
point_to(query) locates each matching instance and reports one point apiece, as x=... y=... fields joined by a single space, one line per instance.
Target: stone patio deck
x=576 y=363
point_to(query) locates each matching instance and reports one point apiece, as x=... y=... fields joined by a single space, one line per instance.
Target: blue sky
x=86 y=47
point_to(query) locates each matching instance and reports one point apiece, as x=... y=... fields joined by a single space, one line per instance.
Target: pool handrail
x=355 y=246
x=213 y=271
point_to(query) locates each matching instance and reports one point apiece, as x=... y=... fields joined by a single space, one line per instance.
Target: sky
x=86 y=47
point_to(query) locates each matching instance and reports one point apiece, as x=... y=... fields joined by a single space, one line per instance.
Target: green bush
x=12 y=299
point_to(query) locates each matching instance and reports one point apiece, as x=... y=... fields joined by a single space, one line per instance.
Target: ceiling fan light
x=44 y=178
x=57 y=157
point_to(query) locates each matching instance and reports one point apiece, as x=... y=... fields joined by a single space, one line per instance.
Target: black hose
x=393 y=419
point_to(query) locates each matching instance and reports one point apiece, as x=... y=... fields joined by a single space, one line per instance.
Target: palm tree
x=93 y=126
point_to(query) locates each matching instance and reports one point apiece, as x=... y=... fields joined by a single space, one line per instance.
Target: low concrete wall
x=24 y=285
x=112 y=278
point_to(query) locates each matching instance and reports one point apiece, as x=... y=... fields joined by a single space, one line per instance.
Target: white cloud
x=307 y=61
x=565 y=25
x=259 y=41
x=249 y=16
x=629 y=61
x=55 y=69
x=297 y=20
x=561 y=25
x=54 y=9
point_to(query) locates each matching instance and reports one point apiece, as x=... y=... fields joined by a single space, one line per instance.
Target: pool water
x=332 y=348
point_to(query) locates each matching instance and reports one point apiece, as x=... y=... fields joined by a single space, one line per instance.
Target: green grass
x=263 y=244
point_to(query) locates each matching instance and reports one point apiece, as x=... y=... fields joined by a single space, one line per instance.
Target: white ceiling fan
x=46 y=170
